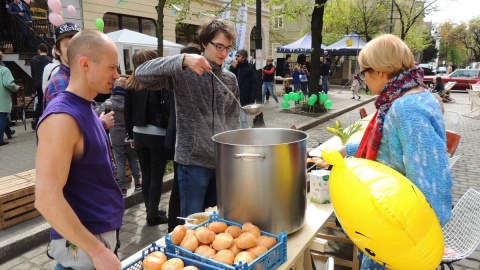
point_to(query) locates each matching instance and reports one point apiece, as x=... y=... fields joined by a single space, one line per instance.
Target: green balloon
x=323 y=97
x=314 y=97
x=302 y=96
x=291 y=95
x=328 y=104
x=310 y=101
x=286 y=97
x=285 y=104
x=296 y=96
x=99 y=24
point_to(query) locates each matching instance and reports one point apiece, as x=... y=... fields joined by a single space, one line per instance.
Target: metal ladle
x=253 y=109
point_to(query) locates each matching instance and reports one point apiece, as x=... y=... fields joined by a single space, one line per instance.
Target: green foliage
x=344 y=134
x=430 y=52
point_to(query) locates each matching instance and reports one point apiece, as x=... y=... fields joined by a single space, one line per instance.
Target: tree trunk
x=317 y=25
x=159 y=8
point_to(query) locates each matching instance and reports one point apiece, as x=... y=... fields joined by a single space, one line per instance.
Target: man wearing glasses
x=204 y=108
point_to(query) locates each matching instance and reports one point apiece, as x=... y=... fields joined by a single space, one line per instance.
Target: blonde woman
x=407 y=132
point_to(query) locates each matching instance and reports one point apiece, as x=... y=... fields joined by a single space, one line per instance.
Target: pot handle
x=250 y=156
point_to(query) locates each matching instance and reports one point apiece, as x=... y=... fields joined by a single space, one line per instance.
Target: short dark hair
x=42 y=48
x=210 y=29
x=191 y=48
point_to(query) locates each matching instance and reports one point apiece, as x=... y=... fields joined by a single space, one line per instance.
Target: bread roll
x=205 y=236
x=205 y=251
x=189 y=242
x=173 y=264
x=178 y=234
x=222 y=241
x=246 y=240
x=217 y=227
x=235 y=231
x=244 y=256
x=225 y=256
x=266 y=241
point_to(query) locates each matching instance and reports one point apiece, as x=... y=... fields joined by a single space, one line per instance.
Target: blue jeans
x=325 y=83
x=243 y=119
x=4 y=126
x=198 y=189
x=122 y=153
x=268 y=86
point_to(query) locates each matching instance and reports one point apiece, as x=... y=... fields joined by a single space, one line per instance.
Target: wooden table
x=286 y=82
x=298 y=252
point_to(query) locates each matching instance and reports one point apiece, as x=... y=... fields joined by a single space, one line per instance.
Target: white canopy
x=130 y=40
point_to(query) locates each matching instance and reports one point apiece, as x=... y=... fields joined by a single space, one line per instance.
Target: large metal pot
x=261 y=177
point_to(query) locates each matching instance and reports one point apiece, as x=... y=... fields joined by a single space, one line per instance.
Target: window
x=114 y=22
x=277 y=23
x=186 y=33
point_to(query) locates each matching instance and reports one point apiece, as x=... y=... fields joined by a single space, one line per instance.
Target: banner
x=241 y=26
x=226 y=12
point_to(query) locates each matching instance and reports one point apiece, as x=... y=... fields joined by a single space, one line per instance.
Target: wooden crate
x=17 y=198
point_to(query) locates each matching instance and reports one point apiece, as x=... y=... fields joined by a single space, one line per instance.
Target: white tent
x=129 y=41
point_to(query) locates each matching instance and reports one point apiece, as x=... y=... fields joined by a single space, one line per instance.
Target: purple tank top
x=91 y=189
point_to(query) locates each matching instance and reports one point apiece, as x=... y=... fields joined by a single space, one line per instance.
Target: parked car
x=462 y=77
x=427 y=69
x=441 y=70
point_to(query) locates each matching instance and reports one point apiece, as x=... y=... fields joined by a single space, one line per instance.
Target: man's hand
x=196 y=63
x=20 y=14
x=105 y=259
x=108 y=119
x=234 y=63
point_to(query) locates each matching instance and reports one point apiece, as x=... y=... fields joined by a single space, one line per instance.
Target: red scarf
x=394 y=89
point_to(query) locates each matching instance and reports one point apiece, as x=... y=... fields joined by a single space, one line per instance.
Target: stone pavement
x=19 y=156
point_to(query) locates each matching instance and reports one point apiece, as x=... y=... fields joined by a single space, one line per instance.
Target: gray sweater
x=204 y=107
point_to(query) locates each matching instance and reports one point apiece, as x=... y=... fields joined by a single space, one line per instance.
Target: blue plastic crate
x=271 y=259
x=137 y=265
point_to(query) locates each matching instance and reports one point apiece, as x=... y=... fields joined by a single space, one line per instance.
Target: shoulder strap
x=49 y=76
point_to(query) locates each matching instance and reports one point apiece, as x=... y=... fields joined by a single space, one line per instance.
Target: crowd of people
x=169 y=108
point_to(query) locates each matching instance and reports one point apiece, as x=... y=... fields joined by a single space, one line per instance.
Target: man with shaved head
x=75 y=188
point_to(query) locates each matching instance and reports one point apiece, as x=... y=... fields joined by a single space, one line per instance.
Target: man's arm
x=272 y=70
x=159 y=73
x=52 y=166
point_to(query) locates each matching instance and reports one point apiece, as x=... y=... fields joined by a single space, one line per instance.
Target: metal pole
x=258 y=35
x=391 y=18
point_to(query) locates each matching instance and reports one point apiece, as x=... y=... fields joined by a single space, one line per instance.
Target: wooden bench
x=17 y=198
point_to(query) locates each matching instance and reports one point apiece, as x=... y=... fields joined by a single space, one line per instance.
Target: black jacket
x=325 y=68
x=144 y=108
x=247 y=82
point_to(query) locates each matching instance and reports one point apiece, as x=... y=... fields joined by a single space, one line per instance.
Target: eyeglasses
x=362 y=73
x=221 y=47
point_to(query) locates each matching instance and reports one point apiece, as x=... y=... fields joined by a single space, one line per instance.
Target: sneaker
x=138 y=187
x=353 y=97
x=124 y=192
x=3 y=143
x=358 y=97
x=157 y=221
x=162 y=212
x=11 y=134
x=33 y=124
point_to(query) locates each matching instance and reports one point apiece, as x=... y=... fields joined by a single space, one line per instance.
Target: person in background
x=404 y=108
x=204 y=108
x=268 y=73
x=247 y=82
x=296 y=79
x=439 y=86
x=121 y=148
x=7 y=86
x=37 y=65
x=49 y=70
x=75 y=189
x=355 y=86
x=308 y=63
x=147 y=125
x=304 y=79
x=301 y=59
x=325 y=73
x=20 y=10
x=174 y=209
x=450 y=68
x=287 y=71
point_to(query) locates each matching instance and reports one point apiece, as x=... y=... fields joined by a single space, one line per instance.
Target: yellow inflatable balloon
x=384 y=213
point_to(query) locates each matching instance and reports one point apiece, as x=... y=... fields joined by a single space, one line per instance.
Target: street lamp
x=258 y=35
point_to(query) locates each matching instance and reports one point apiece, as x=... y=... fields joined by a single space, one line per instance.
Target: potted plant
x=344 y=134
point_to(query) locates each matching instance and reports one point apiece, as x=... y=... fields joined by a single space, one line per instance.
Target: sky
x=455 y=10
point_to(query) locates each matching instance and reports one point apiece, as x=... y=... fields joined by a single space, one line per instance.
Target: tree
x=411 y=11
x=430 y=52
x=373 y=17
x=317 y=25
x=469 y=37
